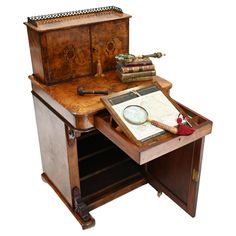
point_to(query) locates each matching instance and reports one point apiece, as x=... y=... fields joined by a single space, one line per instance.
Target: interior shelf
x=90 y=143
x=101 y=161
x=107 y=178
x=99 y=171
x=97 y=152
x=102 y=166
x=115 y=190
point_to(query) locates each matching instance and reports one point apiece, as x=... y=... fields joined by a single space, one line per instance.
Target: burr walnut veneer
x=68 y=47
x=86 y=159
x=88 y=162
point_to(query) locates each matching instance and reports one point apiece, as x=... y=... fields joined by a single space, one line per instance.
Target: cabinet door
x=177 y=174
x=108 y=40
x=68 y=54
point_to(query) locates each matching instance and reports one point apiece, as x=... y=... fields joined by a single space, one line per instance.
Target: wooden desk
x=88 y=163
x=79 y=110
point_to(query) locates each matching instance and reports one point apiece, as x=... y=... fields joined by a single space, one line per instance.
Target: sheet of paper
x=158 y=107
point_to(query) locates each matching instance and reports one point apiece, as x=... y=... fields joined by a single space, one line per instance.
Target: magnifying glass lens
x=135 y=114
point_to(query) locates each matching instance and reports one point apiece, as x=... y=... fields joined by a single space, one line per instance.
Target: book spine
x=138 y=63
x=138 y=74
x=137 y=68
x=144 y=78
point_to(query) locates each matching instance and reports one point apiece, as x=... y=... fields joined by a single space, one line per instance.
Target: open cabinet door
x=177 y=174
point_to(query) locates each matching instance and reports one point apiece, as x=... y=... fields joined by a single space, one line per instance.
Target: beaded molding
x=34 y=19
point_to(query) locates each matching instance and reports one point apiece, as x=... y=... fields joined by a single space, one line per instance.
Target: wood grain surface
x=69 y=47
x=78 y=110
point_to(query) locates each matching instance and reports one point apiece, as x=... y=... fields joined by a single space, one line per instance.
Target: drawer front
x=161 y=145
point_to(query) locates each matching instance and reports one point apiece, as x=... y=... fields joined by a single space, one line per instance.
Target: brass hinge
x=195 y=175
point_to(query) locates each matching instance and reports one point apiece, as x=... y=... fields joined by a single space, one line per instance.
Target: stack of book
x=137 y=70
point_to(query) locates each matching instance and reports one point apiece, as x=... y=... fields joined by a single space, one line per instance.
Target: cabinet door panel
x=108 y=40
x=69 y=53
x=177 y=174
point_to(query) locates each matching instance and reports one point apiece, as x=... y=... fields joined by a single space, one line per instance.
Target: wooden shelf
x=91 y=143
x=114 y=190
x=103 y=169
x=101 y=161
x=104 y=179
x=97 y=152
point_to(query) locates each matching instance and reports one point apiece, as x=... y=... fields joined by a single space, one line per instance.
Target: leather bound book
x=130 y=69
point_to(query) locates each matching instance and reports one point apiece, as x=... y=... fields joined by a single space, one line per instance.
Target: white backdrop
x=198 y=38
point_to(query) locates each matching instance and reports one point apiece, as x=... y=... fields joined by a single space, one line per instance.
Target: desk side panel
x=53 y=148
x=36 y=54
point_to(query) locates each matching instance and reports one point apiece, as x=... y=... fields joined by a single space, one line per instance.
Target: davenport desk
x=86 y=160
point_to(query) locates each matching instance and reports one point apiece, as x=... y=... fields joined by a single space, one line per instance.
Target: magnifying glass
x=137 y=115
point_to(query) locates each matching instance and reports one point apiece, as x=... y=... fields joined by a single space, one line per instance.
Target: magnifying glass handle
x=168 y=128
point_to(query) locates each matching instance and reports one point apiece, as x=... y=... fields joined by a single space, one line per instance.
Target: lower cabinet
x=88 y=169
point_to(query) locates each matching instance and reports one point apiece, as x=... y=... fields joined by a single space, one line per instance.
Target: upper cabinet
x=68 y=45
